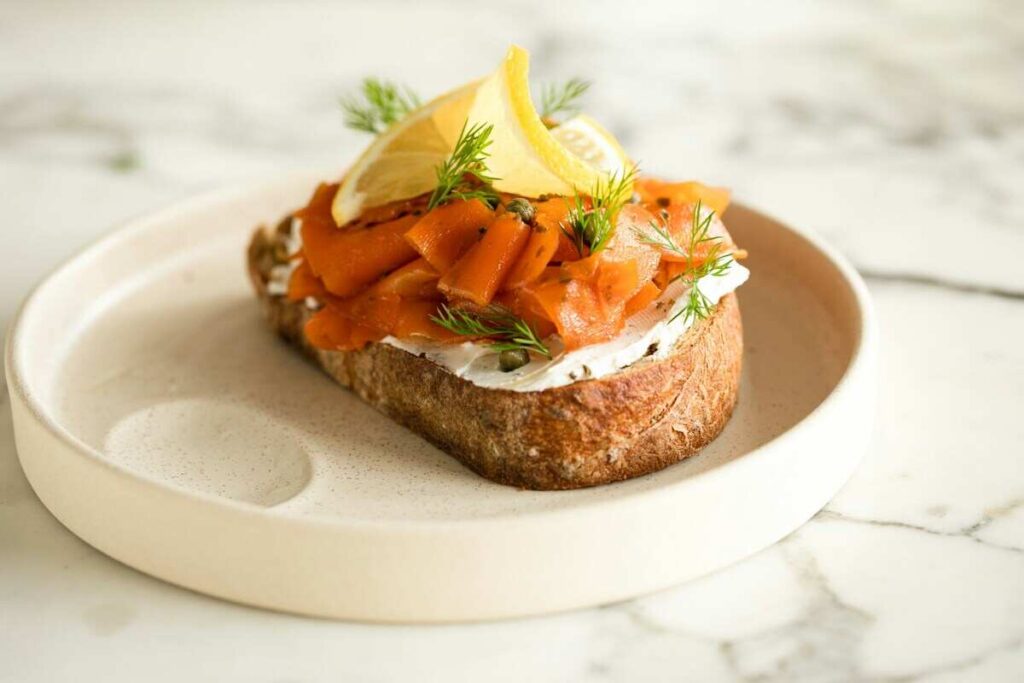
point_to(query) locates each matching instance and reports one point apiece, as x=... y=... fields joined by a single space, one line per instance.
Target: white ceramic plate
x=159 y=420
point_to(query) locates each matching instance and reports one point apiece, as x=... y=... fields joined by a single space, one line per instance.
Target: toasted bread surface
x=641 y=419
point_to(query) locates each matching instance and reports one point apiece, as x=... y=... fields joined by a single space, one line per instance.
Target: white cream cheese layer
x=651 y=333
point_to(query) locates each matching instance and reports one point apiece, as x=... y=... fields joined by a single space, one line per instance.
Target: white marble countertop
x=895 y=129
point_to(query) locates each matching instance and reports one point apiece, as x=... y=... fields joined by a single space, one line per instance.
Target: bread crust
x=639 y=420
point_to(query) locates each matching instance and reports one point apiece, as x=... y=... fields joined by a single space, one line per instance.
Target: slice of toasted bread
x=641 y=419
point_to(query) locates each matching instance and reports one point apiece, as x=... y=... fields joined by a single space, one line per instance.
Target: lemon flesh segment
x=401 y=162
x=588 y=140
x=524 y=155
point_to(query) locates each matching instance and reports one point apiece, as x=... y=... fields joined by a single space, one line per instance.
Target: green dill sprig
x=591 y=228
x=697 y=306
x=559 y=98
x=504 y=331
x=463 y=175
x=382 y=104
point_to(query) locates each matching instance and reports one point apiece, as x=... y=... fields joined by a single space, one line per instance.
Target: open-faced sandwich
x=504 y=283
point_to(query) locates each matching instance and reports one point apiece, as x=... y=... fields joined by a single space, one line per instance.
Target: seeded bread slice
x=639 y=420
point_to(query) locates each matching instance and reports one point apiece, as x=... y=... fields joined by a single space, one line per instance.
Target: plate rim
x=603 y=529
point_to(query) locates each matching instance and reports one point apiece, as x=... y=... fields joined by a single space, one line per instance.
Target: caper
x=522 y=207
x=513 y=359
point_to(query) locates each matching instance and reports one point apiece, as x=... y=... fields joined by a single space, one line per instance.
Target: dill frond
x=504 y=331
x=463 y=174
x=561 y=98
x=380 y=104
x=716 y=264
x=590 y=228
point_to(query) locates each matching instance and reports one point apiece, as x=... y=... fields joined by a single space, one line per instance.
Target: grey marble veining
x=894 y=129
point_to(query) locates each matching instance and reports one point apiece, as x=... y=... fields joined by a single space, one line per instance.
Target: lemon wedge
x=526 y=158
x=401 y=161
